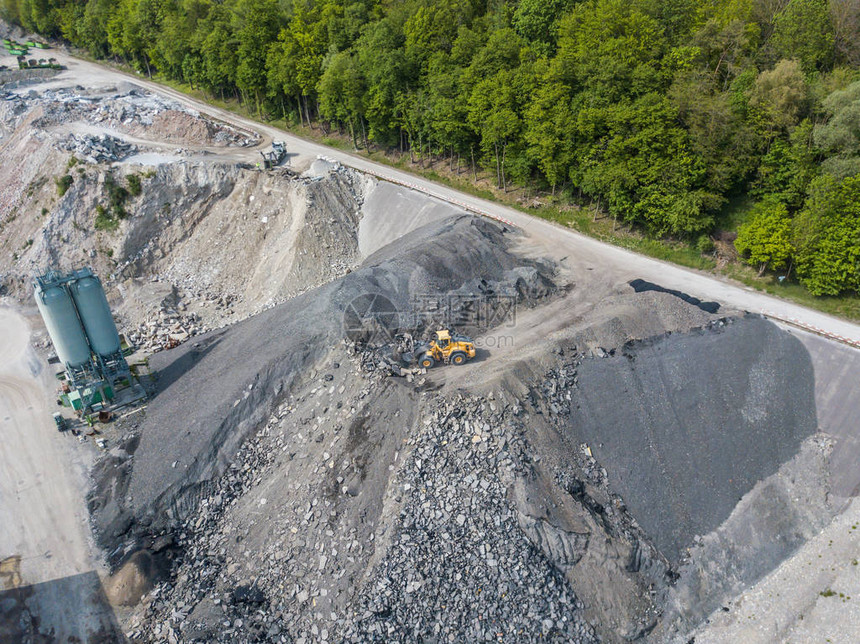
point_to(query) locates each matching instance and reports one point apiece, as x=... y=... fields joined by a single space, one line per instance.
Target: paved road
x=556 y=240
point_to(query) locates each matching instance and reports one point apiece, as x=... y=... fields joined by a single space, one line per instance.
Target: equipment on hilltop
x=446 y=348
x=79 y=322
x=273 y=157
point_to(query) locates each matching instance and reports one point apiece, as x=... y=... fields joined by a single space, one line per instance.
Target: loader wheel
x=458 y=358
x=427 y=362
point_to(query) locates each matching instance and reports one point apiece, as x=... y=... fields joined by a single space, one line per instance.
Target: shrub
x=134 y=187
x=105 y=219
x=705 y=245
x=116 y=197
x=63 y=184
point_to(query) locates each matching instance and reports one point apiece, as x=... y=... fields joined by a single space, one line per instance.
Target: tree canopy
x=658 y=111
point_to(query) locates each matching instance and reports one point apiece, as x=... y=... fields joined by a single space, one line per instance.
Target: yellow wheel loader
x=448 y=349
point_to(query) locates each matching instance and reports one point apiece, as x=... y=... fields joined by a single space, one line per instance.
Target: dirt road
x=46 y=568
x=553 y=240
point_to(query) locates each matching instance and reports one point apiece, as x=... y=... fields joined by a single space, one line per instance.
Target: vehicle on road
x=275 y=155
x=447 y=348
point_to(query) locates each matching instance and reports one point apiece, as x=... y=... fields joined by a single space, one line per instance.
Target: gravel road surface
x=46 y=569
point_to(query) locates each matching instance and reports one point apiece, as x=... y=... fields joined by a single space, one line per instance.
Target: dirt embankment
x=223 y=238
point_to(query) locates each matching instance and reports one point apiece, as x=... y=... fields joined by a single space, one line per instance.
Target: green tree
x=827 y=237
x=218 y=45
x=550 y=123
x=719 y=136
x=537 y=21
x=845 y=17
x=387 y=74
x=493 y=114
x=341 y=92
x=803 y=31
x=257 y=25
x=636 y=157
x=839 y=137
x=788 y=167
x=779 y=98
x=448 y=112
x=612 y=48
x=765 y=239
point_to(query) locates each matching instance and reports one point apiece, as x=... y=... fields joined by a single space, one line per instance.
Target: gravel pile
x=134 y=110
x=716 y=410
x=459 y=568
x=97 y=149
x=453 y=564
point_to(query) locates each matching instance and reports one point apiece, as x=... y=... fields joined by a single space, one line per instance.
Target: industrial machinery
x=81 y=327
x=273 y=157
x=448 y=349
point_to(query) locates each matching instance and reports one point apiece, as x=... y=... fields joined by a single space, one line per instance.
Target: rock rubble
x=165 y=329
x=97 y=149
x=451 y=563
x=134 y=111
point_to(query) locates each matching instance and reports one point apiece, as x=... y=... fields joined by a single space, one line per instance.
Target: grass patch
x=105 y=221
x=845 y=306
x=63 y=184
x=336 y=143
x=134 y=187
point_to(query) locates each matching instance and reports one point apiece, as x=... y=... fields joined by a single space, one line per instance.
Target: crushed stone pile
x=457 y=564
x=98 y=148
x=747 y=412
x=224 y=384
x=448 y=563
x=134 y=111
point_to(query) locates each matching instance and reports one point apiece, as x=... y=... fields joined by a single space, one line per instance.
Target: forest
x=661 y=112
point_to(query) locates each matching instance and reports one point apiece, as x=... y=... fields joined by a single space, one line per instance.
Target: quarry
x=635 y=453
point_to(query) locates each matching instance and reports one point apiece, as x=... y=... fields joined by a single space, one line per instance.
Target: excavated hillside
x=204 y=241
x=617 y=463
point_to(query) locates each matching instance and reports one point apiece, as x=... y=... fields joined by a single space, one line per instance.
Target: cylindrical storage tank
x=58 y=312
x=95 y=314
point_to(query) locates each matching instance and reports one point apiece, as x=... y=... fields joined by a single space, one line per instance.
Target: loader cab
x=443 y=339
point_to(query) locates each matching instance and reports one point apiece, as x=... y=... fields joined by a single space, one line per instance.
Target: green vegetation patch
x=134 y=185
x=678 y=120
x=63 y=184
x=105 y=220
